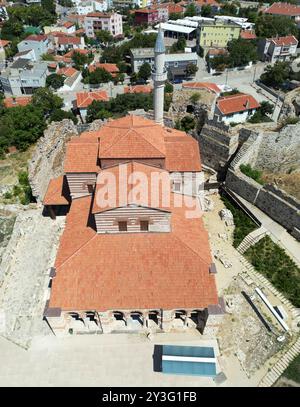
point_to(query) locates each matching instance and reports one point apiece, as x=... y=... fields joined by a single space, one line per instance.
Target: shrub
x=272 y=261
x=252 y=173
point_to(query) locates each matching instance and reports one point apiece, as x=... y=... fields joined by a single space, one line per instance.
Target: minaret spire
x=159 y=76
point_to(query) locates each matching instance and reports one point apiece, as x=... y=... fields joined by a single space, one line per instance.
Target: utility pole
x=254 y=73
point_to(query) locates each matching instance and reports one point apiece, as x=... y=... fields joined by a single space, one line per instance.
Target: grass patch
x=293 y=371
x=252 y=173
x=243 y=224
x=272 y=262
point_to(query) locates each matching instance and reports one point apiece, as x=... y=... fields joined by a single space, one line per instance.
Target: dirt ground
x=288 y=182
x=241 y=333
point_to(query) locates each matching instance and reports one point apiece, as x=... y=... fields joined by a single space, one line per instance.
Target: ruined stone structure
x=273 y=152
x=217 y=144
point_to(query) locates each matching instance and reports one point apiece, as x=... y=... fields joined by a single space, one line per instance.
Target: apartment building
x=40 y=44
x=217 y=34
x=111 y=22
x=277 y=49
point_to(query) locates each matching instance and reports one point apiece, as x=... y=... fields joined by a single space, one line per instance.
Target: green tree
x=195 y=97
x=79 y=60
x=45 y=99
x=206 y=10
x=179 y=45
x=55 y=81
x=187 y=123
x=169 y=87
x=241 y=52
x=266 y=108
x=99 y=75
x=104 y=37
x=191 y=69
x=275 y=75
x=190 y=10
x=175 y=16
x=144 y=71
x=267 y=26
x=49 y=5
x=58 y=115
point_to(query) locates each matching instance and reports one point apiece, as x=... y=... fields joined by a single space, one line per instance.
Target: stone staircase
x=280 y=366
x=251 y=239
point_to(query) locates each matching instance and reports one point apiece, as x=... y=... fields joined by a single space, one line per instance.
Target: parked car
x=177 y=81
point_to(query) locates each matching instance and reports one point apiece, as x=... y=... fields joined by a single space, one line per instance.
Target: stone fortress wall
x=268 y=151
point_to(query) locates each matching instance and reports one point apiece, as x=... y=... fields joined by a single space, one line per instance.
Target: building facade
x=23 y=77
x=277 y=49
x=40 y=44
x=217 y=34
x=111 y=22
x=141 y=55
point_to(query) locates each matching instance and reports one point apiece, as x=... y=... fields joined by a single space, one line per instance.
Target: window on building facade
x=122 y=226
x=144 y=224
x=177 y=186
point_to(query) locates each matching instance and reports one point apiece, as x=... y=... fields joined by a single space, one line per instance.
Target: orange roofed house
x=235 y=108
x=131 y=260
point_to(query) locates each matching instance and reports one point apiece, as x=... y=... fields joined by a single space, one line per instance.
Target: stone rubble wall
x=48 y=157
x=268 y=149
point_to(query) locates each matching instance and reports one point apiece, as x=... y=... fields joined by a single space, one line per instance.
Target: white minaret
x=159 y=75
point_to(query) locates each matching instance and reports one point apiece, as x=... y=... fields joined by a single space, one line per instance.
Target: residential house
x=215 y=6
x=172 y=61
x=111 y=22
x=40 y=44
x=235 y=108
x=85 y=99
x=135 y=262
x=110 y=68
x=163 y=11
x=72 y=78
x=284 y=9
x=146 y=16
x=248 y=35
x=64 y=43
x=278 y=48
x=16 y=101
x=70 y=27
x=23 y=77
x=90 y=6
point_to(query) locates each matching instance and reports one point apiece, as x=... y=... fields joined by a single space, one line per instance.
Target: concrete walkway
x=277 y=232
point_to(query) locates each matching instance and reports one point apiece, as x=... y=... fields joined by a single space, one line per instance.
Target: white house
x=277 y=49
x=235 y=108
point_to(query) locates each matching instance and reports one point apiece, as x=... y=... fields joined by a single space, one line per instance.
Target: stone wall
x=48 y=157
x=217 y=144
x=273 y=151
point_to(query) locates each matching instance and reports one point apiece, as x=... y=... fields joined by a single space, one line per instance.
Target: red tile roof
x=84 y=99
x=285 y=9
x=212 y=87
x=98 y=14
x=17 y=101
x=132 y=137
x=35 y=37
x=68 y=24
x=125 y=173
x=174 y=8
x=217 y=51
x=67 y=71
x=247 y=35
x=62 y=40
x=80 y=51
x=81 y=156
x=236 y=103
x=135 y=270
x=138 y=89
x=110 y=68
x=207 y=2
x=288 y=40
x=4 y=43
x=57 y=192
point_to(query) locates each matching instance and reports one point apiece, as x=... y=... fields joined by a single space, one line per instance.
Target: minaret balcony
x=159 y=77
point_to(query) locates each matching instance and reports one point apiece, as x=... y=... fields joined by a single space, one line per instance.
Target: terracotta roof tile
x=237 y=103
x=138 y=89
x=17 y=101
x=84 y=99
x=81 y=156
x=285 y=9
x=110 y=68
x=57 y=192
x=67 y=71
x=125 y=173
x=167 y=270
x=248 y=35
x=4 y=43
x=288 y=40
x=212 y=87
